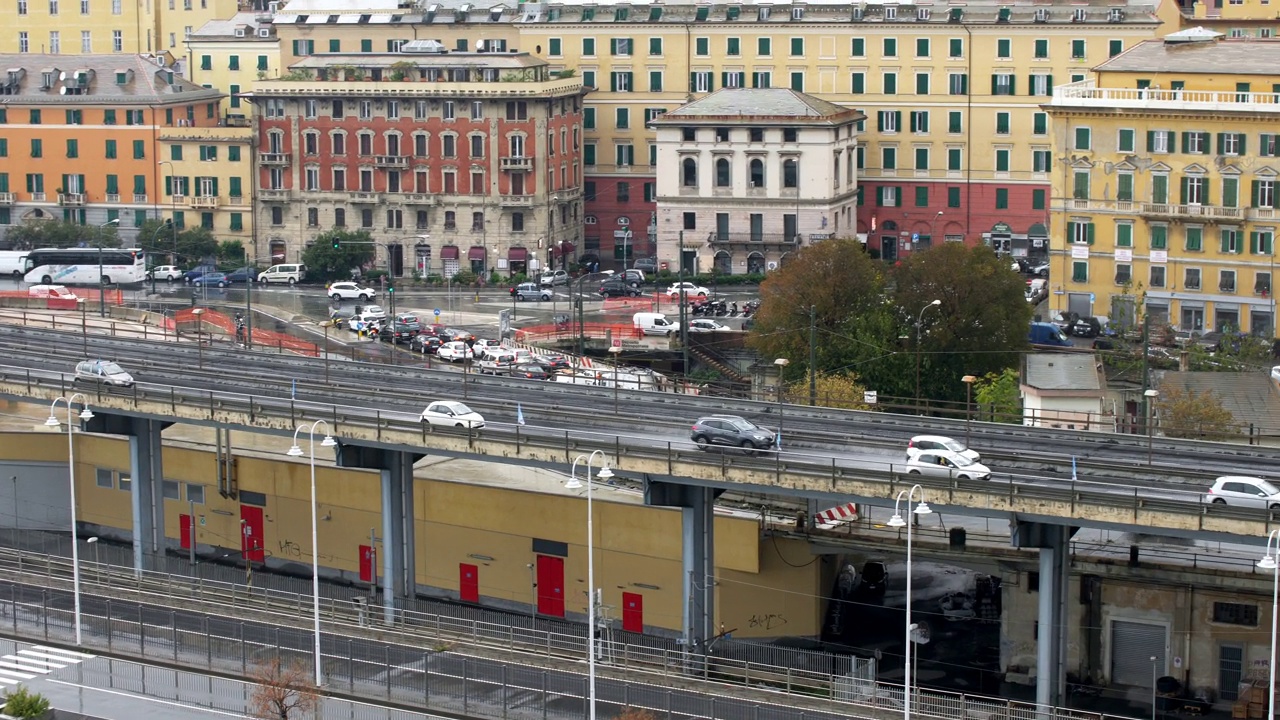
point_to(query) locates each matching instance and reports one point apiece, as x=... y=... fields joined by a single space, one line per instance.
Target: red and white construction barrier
x=840 y=514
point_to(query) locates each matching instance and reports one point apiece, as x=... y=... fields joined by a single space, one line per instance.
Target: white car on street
x=1244 y=491
x=706 y=326
x=451 y=413
x=944 y=463
x=923 y=443
x=350 y=291
x=454 y=351
x=687 y=289
x=369 y=313
x=168 y=273
x=554 y=277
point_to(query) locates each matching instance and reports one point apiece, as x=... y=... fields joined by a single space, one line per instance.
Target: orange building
x=80 y=136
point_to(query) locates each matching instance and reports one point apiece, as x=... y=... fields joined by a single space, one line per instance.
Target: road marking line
x=14 y=676
x=18 y=663
x=135 y=696
x=15 y=666
x=72 y=653
x=48 y=656
x=43 y=665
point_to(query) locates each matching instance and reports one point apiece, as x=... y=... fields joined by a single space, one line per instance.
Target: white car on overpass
x=451 y=413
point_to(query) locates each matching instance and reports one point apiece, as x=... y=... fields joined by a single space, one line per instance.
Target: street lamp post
x=296 y=451
x=616 y=351
x=199 y=346
x=933 y=228
x=155 y=241
x=968 y=381
x=573 y=484
x=1150 y=394
x=1271 y=561
x=1154 y=673
x=97 y=560
x=84 y=324
x=102 y=285
x=919 y=325
x=896 y=521
x=85 y=414
x=781 y=364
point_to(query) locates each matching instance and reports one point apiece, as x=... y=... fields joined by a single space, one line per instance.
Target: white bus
x=11 y=263
x=79 y=266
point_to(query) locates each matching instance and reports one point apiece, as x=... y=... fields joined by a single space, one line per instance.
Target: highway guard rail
x=786 y=472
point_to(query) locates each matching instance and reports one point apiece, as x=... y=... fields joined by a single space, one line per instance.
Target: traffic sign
x=915 y=237
x=437 y=312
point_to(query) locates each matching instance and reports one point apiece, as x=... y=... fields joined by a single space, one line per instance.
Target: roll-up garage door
x=1133 y=644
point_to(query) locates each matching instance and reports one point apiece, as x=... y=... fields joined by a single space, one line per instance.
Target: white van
x=283 y=274
x=654 y=324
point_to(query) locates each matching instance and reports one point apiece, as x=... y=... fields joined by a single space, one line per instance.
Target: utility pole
x=682 y=298
x=1146 y=369
x=813 y=355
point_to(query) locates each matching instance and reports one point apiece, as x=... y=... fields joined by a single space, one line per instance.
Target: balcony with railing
x=753 y=239
x=517 y=163
x=1191 y=212
x=113 y=197
x=1087 y=94
x=274 y=194
x=139 y=197
x=391 y=161
x=365 y=196
x=422 y=199
x=516 y=200
x=71 y=199
x=37 y=197
x=203 y=202
x=274 y=158
x=7 y=198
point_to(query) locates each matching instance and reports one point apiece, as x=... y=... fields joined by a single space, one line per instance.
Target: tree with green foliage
x=22 y=703
x=61 y=234
x=999 y=397
x=156 y=237
x=864 y=317
x=328 y=263
x=231 y=254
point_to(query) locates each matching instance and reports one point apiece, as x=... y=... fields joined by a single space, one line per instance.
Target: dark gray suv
x=731 y=431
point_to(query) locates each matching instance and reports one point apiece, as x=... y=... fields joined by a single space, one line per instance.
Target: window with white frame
x=1195 y=189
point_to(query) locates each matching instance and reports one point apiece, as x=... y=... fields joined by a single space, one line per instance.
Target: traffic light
x=391 y=289
x=336 y=243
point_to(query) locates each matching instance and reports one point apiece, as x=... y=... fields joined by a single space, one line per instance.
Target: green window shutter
x=1230 y=192
x=1208 y=196
x=111 y=149
x=954 y=122
x=897 y=197
x=1002 y=161
x=953 y=197
x=922 y=162
x=37 y=148
x=734 y=46
x=1151 y=140
x=953 y=158
x=168 y=185
x=1194 y=239
x=922 y=84
x=589 y=154
x=1002 y=123
x=1124 y=235
x=655 y=81
x=1002 y=48
x=589 y=118
x=206 y=62
x=655 y=46
x=235 y=187
x=175 y=152
x=237 y=221
x=1040 y=123
x=1160 y=188
x=859 y=47
x=1037 y=199
x=922 y=47
x=1089 y=232
x=797 y=81
x=797 y=47
x=880 y=121
x=113 y=184
x=1253 y=243
x=1186 y=141
x=897 y=120
x=1002 y=198
x=1124 y=186
x=589 y=46
x=366 y=46
x=233 y=153
x=956 y=47
x=73 y=148
x=213 y=189
x=1126 y=141
x=1071 y=232
x=139 y=184
x=1253 y=193
x=859 y=83
x=1222 y=142
x=1242 y=143
x=1080 y=271
x=1077 y=48
x=890 y=46
x=553 y=47
x=234 y=91
x=1159 y=237
x=702 y=46
x=262 y=59
x=880 y=196
x=1013 y=85
x=613 y=82
x=922 y=196
x=1042 y=48
x=994 y=83
x=335 y=45
x=1115 y=47
x=1265 y=142
x=891 y=83
x=1224 y=239
x=1182 y=190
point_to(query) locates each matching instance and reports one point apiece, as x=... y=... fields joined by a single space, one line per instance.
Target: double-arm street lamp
x=85 y=414
x=573 y=484
x=296 y=451
x=919 y=325
x=102 y=283
x=1271 y=561
x=897 y=521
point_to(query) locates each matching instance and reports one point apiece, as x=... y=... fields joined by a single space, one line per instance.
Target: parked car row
x=210 y=275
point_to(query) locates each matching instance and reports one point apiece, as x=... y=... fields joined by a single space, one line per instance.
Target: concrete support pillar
x=146 y=474
x=392 y=541
x=698 y=536
x=409 y=532
x=1051 y=643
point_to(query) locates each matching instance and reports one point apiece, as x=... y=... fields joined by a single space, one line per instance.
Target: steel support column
x=698 y=563
x=1053 y=542
x=146 y=493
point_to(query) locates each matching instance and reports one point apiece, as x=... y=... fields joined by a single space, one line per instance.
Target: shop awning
x=517 y=254
x=475 y=253
x=564 y=248
x=449 y=252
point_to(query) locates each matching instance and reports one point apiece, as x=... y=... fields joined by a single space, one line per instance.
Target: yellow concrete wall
x=638 y=548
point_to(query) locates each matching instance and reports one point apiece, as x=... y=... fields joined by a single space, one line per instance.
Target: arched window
x=689 y=173
x=757 y=173
x=790 y=174
x=722 y=172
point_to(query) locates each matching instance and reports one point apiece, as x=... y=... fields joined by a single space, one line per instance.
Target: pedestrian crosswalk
x=30 y=663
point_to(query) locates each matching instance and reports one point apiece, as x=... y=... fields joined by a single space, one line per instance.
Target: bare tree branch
x=284 y=690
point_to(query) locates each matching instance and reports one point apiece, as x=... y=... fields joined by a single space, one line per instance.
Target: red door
x=367 y=558
x=550 y=586
x=468 y=583
x=254 y=544
x=633 y=612
x=184 y=531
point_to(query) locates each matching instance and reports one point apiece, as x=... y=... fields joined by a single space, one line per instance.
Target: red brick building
x=451 y=160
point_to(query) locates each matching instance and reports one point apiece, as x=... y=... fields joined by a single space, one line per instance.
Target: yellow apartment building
x=206 y=179
x=79 y=136
x=1232 y=18
x=952 y=93
x=84 y=27
x=230 y=55
x=1166 y=199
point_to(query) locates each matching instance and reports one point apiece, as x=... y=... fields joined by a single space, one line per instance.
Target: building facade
x=748 y=176
x=231 y=55
x=952 y=95
x=207 y=176
x=88 y=27
x=451 y=160
x=79 y=136
x=1167 y=202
